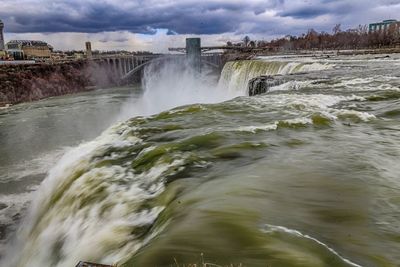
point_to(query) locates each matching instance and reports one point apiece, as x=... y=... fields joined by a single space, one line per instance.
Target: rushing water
x=305 y=175
x=33 y=136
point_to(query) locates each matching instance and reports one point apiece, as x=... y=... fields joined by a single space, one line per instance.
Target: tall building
x=88 y=49
x=2 y=47
x=383 y=26
x=28 y=49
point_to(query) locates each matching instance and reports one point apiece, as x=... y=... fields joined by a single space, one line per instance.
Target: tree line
x=358 y=38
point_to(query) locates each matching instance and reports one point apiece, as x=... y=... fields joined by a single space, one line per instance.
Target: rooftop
x=29 y=43
x=387 y=21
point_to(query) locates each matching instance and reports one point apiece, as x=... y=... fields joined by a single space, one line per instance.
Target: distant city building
x=88 y=49
x=78 y=56
x=28 y=49
x=2 y=47
x=383 y=26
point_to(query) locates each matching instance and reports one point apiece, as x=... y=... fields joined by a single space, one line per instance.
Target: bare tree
x=246 y=41
x=359 y=37
x=337 y=29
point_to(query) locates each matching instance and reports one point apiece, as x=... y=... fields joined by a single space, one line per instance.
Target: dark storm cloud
x=202 y=17
x=185 y=16
x=305 y=12
x=314 y=8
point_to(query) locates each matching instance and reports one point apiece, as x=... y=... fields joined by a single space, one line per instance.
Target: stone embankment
x=24 y=83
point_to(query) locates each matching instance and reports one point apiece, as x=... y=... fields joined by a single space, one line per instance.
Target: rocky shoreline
x=25 y=83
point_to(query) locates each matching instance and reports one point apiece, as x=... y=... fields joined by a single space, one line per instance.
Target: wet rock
x=3 y=206
x=3 y=231
x=262 y=84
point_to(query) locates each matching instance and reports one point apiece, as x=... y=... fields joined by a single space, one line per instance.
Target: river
x=193 y=171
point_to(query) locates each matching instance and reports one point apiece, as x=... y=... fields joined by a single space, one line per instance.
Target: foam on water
x=254 y=129
x=290 y=86
x=374 y=83
x=275 y=228
x=304 y=108
x=39 y=165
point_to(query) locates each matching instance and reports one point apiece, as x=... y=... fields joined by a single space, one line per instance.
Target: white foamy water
x=39 y=165
x=236 y=75
x=374 y=83
x=274 y=228
x=290 y=85
x=304 y=108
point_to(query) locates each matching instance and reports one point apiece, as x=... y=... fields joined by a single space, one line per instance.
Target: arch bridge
x=127 y=67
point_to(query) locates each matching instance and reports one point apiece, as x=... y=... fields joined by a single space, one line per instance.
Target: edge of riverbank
x=31 y=82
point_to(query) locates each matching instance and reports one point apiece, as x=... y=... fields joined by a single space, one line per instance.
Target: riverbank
x=252 y=53
x=26 y=83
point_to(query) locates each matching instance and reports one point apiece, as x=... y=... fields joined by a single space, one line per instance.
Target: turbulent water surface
x=305 y=175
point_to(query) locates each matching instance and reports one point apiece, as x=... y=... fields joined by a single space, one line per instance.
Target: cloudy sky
x=157 y=24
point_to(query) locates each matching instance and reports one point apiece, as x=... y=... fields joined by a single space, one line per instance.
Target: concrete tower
x=88 y=50
x=2 y=47
x=193 y=53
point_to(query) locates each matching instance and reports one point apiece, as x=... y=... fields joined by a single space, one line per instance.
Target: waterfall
x=98 y=203
x=236 y=74
x=91 y=208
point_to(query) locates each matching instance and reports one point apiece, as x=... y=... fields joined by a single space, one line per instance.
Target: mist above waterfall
x=174 y=84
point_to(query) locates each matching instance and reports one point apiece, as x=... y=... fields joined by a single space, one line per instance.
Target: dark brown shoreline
x=31 y=82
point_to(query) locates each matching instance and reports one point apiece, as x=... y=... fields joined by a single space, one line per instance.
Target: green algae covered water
x=305 y=175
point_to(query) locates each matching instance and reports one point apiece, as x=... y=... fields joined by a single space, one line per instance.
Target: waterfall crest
x=236 y=74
